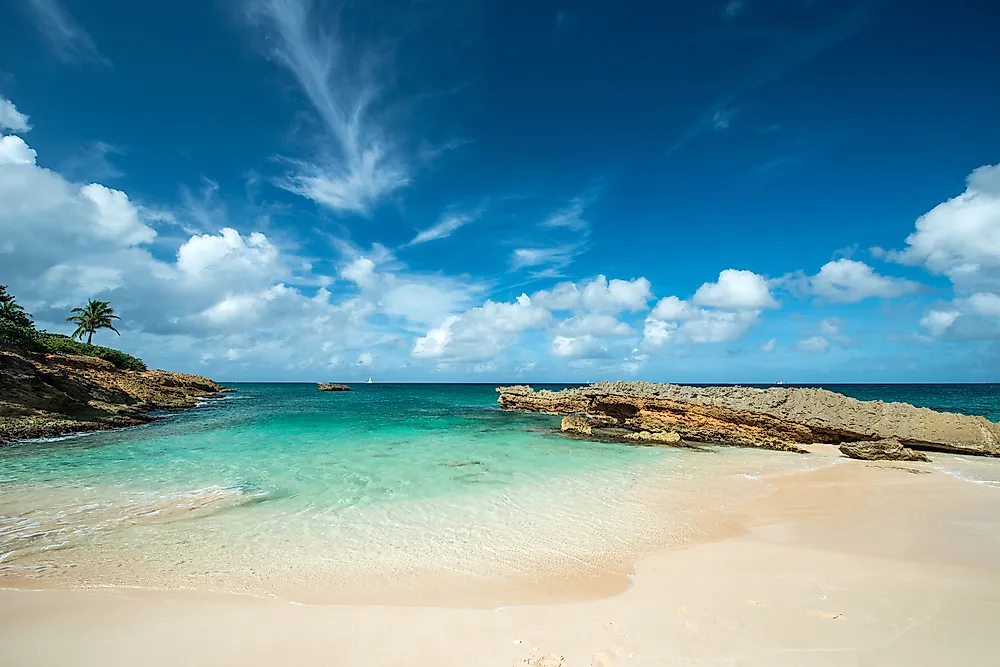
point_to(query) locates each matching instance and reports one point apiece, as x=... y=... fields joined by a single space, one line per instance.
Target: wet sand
x=851 y=564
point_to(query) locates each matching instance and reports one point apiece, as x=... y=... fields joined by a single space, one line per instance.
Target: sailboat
x=369 y=379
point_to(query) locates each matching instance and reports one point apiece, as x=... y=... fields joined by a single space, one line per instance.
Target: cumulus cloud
x=484 y=332
x=234 y=300
x=481 y=333
x=13 y=150
x=362 y=165
x=960 y=239
x=418 y=298
x=736 y=290
x=12 y=119
x=598 y=295
x=849 y=281
x=720 y=311
x=578 y=347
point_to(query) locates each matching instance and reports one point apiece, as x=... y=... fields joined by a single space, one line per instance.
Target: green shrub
x=52 y=343
x=16 y=334
x=60 y=344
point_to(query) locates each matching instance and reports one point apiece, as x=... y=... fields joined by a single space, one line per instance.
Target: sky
x=482 y=191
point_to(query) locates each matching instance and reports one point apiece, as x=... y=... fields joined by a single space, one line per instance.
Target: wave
x=33 y=531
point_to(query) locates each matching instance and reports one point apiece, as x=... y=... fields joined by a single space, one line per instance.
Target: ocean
x=389 y=490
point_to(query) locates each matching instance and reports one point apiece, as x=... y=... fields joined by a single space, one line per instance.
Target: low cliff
x=45 y=395
x=776 y=418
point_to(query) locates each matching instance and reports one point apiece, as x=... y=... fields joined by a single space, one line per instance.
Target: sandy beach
x=852 y=563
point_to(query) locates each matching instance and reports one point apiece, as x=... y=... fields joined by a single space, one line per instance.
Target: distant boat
x=779 y=382
x=369 y=380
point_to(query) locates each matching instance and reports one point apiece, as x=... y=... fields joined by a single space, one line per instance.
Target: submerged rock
x=331 y=386
x=775 y=418
x=46 y=395
x=889 y=449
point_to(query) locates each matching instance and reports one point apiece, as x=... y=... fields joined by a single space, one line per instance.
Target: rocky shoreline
x=49 y=395
x=784 y=419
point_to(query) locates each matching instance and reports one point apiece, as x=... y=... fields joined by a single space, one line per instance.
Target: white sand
x=853 y=564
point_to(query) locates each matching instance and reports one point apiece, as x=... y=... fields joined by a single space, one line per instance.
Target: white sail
x=369 y=380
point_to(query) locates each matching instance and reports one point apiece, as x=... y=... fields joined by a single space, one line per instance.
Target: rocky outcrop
x=45 y=395
x=889 y=449
x=332 y=386
x=776 y=418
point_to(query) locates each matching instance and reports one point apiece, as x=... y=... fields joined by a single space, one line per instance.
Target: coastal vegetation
x=92 y=317
x=17 y=330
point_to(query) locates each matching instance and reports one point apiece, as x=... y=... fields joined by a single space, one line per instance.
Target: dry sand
x=852 y=564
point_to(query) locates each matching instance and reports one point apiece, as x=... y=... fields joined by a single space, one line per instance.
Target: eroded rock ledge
x=776 y=418
x=46 y=395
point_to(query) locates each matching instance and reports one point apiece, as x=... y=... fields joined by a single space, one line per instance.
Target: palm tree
x=95 y=315
x=12 y=311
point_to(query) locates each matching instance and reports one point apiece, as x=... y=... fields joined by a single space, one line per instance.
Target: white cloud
x=831 y=326
x=657 y=333
x=736 y=290
x=12 y=119
x=718 y=312
x=598 y=295
x=985 y=304
x=229 y=258
x=849 y=281
x=418 y=298
x=594 y=324
x=229 y=299
x=13 y=150
x=716 y=326
x=769 y=345
x=960 y=238
x=937 y=322
x=69 y=40
x=362 y=165
x=814 y=345
x=673 y=309
x=555 y=258
x=365 y=359
x=482 y=333
x=578 y=347
x=569 y=217
x=444 y=228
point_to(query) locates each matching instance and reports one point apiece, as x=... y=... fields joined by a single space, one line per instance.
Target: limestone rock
x=661 y=437
x=45 y=395
x=776 y=418
x=332 y=386
x=576 y=424
x=889 y=449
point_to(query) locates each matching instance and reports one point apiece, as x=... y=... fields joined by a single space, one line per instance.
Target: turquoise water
x=280 y=489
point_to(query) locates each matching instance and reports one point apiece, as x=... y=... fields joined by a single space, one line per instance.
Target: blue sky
x=435 y=190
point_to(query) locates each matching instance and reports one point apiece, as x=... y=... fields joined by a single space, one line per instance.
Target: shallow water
x=327 y=496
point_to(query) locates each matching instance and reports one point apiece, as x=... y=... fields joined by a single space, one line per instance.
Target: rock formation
x=776 y=418
x=332 y=386
x=889 y=449
x=45 y=395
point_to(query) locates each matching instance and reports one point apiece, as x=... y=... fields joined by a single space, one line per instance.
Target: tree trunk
x=90 y=337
